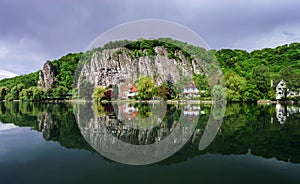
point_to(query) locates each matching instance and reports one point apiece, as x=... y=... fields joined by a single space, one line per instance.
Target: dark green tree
x=261 y=78
x=3 y=92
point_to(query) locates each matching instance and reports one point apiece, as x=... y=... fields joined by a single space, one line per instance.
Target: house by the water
x=282 y=91
x=129 y=91
x=191 y=90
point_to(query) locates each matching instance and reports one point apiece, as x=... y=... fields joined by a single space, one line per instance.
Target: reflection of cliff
x=46 y=125
x=246 y=129
x=135 y=145
x=129 y=127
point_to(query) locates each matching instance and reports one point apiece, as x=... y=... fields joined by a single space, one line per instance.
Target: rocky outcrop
x=119 y=67
x=47 y=76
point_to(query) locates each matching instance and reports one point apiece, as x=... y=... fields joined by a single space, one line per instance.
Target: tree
x=251 y=92
x=146 y=88
x=162 y=92
x=32 y=94
x=38 y=94
x=201 y=81
x=23 y=95
x=3 y=92
x=261 y=78
x=14 y=92
x=219 y=93
x=99 y=93
x=108 y=94
x=58 y=92
x=290 y=77
x=235 y=86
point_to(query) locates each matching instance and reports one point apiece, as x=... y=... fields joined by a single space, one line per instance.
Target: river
x=148 y=143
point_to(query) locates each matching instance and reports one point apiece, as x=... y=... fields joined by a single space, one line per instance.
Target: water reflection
x=246 y=129
x=141 y=133
x=284 y=111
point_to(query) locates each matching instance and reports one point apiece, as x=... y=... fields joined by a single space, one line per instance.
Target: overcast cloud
x=34 y=31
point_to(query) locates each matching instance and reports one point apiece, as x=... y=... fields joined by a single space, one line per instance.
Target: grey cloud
x=60 y=27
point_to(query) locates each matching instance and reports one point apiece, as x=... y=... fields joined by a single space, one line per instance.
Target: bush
x=99 y=93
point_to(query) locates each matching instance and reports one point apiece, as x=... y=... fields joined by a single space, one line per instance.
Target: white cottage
x=191 y=90
x=282 y=90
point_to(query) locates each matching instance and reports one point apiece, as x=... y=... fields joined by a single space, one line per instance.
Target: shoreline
x=157 y=101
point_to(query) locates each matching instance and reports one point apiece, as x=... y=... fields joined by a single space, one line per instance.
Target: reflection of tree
x=245 y=128
x=248 y=127
x=144 y=110
x=141 y=130
x=55 y=121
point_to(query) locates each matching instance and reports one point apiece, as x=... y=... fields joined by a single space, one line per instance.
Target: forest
x=249 y=76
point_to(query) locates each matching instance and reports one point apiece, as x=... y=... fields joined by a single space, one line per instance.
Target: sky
x=34 y=31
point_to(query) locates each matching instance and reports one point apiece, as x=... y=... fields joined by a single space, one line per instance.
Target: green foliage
x=3 y=92
x=26 y=80
x=146 y=88
x=219 y=92
x=60 y=91
x=235 y=86
x=163 y=92
x=66 y=67
x=254 y=69
x=99 y=93
x=201 y=81
x=290 y=77
x=261 y=78
x=32 y=94
x=14 y=92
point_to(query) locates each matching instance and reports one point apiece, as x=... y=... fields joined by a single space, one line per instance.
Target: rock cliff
x=119 y=67
x=47 y=76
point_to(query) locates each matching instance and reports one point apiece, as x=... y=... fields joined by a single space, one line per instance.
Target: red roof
x=131 y=88
x=191 y=85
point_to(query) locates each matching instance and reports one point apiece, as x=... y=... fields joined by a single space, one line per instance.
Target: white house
x=282 y=90
x=191 y=90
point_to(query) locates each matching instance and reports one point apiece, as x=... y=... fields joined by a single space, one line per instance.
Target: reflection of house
x=130 y=91
x=191 y=90
x=282 y=90
x=283 y=112
x=192 y=110
x=128 y=111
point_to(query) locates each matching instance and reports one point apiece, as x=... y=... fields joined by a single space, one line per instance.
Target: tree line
x=248 y=75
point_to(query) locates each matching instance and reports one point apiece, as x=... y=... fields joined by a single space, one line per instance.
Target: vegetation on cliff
x=248 y=75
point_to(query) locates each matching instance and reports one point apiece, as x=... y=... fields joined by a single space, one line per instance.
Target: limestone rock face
x=47 y=76
x=118 y=67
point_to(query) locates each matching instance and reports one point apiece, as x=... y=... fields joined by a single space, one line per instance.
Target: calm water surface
x=100 y=143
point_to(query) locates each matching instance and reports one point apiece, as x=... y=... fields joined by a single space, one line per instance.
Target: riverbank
x=160 y=101
x=277 y=102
